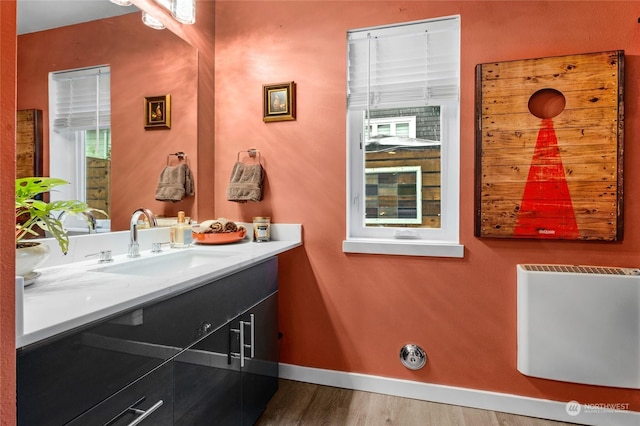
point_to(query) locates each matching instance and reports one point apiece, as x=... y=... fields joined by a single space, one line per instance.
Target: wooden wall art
x=549 y=148
x=29 y=143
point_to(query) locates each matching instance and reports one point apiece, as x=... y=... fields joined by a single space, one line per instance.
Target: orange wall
x=7 y=211
x=144 y=62
x=354 y=312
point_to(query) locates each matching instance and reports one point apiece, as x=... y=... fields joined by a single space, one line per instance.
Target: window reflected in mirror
x=80 y=139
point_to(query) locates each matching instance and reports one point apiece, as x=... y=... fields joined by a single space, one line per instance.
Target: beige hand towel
x=175 y=183
x=245 y=183
x=220 y=225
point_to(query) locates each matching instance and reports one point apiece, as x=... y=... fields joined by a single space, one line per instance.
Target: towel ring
x=253 y=153
x=181 y=156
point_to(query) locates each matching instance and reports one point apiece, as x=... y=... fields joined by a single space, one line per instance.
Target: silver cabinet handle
x=243 y=346
x=252 y=323
x=143 y=413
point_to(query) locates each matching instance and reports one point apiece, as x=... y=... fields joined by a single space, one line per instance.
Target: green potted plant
x=33 y=213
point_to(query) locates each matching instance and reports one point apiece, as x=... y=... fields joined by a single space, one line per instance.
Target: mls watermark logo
x=573 y=408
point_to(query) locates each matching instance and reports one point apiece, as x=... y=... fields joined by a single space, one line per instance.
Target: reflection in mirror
x=141 y=62
x=80 y=136
x=80 y=140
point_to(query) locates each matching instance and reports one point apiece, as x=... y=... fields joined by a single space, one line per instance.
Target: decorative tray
x=218 y=238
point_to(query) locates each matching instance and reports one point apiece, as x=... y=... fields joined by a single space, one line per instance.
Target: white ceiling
x=38 y=15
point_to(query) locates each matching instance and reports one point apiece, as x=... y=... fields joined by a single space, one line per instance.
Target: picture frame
x=279 y=101
x=157 y=112
x=545 y=167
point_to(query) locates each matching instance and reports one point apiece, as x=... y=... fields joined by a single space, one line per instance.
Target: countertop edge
x=257 y=252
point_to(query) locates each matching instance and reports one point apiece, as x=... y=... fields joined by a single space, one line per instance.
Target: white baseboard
x=507 y=403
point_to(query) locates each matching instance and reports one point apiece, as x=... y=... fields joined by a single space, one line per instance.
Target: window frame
x=417 y=170
x=440 y=242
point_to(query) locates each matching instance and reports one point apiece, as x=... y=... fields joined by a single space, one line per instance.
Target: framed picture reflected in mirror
x=157 y=112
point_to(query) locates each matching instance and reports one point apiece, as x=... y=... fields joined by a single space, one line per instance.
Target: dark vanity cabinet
x=205 y=356
x=230 y=374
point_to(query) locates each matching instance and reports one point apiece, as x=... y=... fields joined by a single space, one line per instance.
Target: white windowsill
x=403 y=247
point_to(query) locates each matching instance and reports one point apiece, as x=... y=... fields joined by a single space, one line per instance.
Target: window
x=80 y=135
x=391 y=126
x=403 y=139
x=393 y=195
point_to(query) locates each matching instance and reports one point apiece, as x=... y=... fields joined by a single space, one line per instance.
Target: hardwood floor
x=298 y=403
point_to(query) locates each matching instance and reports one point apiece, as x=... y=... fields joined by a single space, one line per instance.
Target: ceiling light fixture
x=183 y=11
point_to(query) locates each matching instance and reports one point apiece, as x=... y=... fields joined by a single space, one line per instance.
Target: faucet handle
x=157 y=247
x=134 y=249
x=105 y=256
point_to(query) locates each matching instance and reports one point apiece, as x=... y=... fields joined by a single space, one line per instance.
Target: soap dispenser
x=181 y=233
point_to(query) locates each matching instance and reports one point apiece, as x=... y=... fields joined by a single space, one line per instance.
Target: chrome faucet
x=90 y=219
x=134 y=248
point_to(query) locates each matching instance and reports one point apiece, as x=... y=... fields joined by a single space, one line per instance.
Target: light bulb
x=184 y=11
x=152 y=22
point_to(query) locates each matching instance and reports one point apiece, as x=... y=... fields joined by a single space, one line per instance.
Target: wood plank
x=569 y=118
x=430 y=164
x=571 y=66
x=566 y=136
x=597 y=158
x=590 y=192
x=511 y=206
x=518 y=174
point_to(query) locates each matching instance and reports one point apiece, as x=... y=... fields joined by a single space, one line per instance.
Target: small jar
x=261 y=229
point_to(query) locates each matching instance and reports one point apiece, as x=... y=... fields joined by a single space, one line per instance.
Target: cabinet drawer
x=148 y=400
x=181 y=320
x=59 y=381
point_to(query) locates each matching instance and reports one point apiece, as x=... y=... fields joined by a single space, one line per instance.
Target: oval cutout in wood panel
x=547 y=103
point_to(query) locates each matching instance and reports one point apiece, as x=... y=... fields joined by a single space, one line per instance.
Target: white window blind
x=396 y=65
x=82 y=99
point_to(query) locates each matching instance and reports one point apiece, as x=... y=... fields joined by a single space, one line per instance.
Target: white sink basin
x=166 y=264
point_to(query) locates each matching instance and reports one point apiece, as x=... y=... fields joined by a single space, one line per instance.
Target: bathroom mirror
x=143 y=62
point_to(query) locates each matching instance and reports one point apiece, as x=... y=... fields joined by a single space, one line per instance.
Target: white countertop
x=71 y=295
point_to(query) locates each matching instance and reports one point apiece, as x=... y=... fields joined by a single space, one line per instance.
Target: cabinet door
x=148 y=401
x=207 y=382
x=217 y=382
x=261 y=355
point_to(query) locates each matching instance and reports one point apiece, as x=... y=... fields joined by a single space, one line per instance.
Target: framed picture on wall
x=279 y=102
x=157 y=112
x=550 y=148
